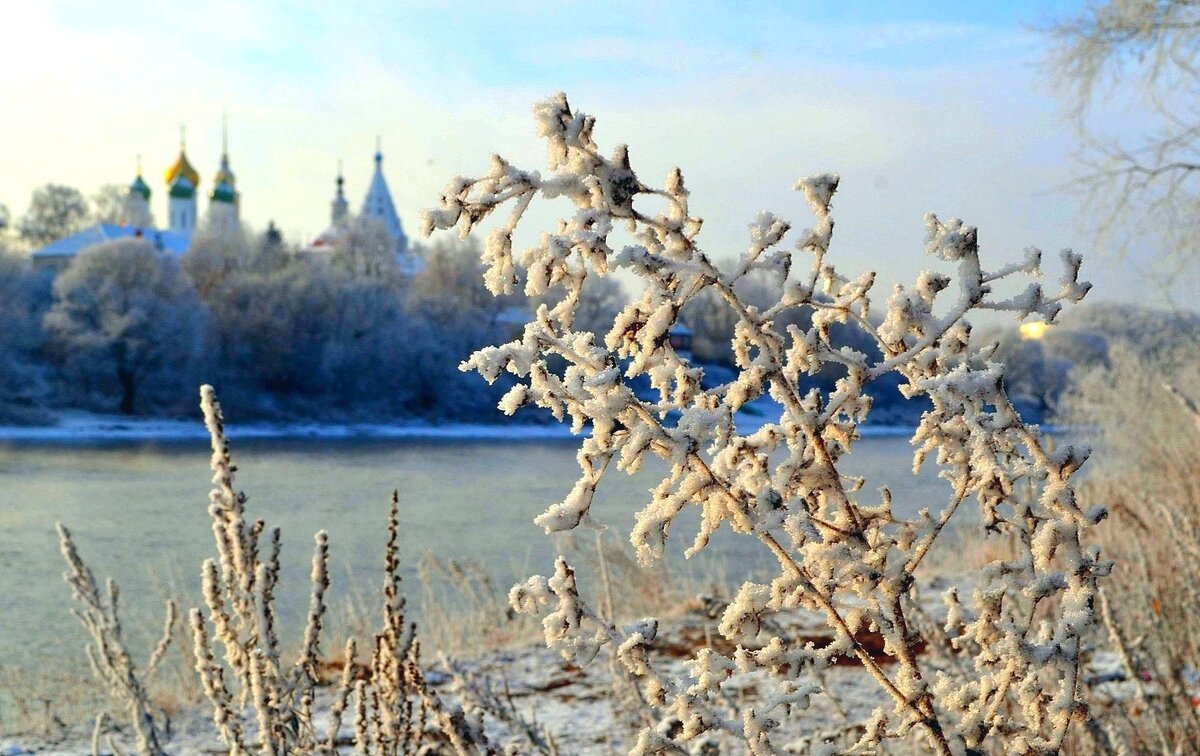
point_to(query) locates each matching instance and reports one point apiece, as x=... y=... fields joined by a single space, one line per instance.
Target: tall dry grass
x=264 y=698
x=326 y=685
x=1143 y=409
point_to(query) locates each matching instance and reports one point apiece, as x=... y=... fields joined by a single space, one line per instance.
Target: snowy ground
x=576 y=706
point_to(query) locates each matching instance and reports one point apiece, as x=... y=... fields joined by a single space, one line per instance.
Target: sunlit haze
x=920 y=106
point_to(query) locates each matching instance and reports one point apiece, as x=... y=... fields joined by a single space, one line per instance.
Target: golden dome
x=181 y=167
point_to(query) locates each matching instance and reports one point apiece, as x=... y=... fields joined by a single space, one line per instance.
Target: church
x=183 y=184
x=377 y=206
x=223 y=217
x=137 y=221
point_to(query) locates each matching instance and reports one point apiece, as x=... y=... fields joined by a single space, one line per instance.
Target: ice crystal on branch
x=846 y=557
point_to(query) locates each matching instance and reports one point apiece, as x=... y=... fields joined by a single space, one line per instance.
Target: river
x=138 y=513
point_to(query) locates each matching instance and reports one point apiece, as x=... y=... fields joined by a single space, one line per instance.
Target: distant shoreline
x=83 y=428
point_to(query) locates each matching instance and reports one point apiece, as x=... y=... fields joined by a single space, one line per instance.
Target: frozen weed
x=838 y=553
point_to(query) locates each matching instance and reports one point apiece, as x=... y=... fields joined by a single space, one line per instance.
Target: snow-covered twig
x=782 y=484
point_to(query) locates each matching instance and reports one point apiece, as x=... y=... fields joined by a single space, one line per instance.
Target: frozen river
x=138 y=513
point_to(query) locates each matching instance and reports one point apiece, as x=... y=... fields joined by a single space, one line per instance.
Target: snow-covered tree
x=451 y=282
x=24 y=297
x=54 y=211
x=124 y=312
x=844 y=554
x=213 y=257
x=366 y=249
x=108 y=203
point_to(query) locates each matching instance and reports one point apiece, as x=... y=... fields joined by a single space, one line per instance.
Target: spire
x=224 y=184
x=378 y=202
x=340 y=209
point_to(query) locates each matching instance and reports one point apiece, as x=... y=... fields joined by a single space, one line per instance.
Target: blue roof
x=167 y=241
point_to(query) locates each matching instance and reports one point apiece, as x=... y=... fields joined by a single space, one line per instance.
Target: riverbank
x=86 y=428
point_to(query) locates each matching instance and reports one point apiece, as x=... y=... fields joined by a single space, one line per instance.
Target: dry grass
x=237 y=663
x=1143 y=409
x=1150 y=611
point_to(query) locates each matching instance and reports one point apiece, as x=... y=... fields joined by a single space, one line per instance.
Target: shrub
x=840 y=555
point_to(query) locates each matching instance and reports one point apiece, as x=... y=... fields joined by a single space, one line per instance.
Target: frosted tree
x=367 y=249
x=214 y=257
x=125 y=310
x=108 y=204
x=1145 y=53
x=23 y=302
x=841 y=552
x=449 y=284
x=54 y=211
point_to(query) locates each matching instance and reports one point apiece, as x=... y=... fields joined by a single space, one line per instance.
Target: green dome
x=140 y=188
x=223 y=192
x=182 y=188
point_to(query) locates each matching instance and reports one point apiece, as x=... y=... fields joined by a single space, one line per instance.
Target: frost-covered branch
x=850 y=560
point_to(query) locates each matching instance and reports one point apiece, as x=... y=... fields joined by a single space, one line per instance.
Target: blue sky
x=920 y=105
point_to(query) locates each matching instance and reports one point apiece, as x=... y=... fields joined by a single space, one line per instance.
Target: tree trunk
x=128 y=389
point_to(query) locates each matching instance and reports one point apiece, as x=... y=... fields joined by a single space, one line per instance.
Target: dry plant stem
x=1189 y=405
x=97 y=732
x=341 y=697
x=239 y=593
x=923 y=707
x=212 y=678
x=1131 y=671
x=107 y=653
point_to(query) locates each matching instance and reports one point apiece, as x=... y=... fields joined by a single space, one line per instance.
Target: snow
x=838 y=555
x=168 y=241
x=577 y=704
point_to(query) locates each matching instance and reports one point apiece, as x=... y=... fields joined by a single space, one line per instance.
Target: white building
x=182 y=182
